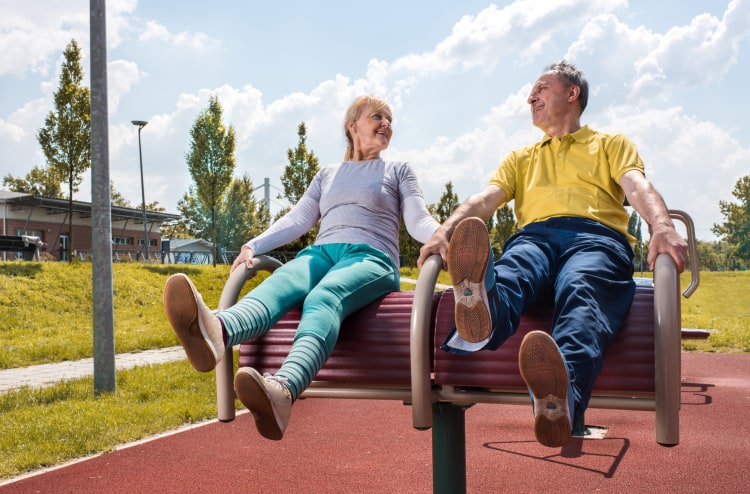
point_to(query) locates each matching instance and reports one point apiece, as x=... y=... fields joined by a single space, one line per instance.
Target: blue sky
x=670 y=74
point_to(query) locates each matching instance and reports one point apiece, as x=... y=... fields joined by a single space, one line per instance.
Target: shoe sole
x=468 y=254
x=181 y=307
x=543 y=369
x=250 y=388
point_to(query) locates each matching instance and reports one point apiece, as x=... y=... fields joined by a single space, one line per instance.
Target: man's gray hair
x=574 y=77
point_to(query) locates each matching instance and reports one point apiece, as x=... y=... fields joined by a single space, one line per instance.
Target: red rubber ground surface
x=350 y=446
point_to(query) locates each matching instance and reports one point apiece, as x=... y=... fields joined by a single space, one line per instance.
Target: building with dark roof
x=48 y=219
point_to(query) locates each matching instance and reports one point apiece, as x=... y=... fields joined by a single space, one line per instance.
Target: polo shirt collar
x=580 y=135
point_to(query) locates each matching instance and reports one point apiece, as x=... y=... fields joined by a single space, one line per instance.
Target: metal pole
x=448 y=448
x=141 y=124
x=267 y=194
x=101 y=209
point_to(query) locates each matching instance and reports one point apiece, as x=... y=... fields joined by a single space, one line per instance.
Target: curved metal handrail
x=694 y=267
x=420 y=342
x=225 y=368
x=239 y=277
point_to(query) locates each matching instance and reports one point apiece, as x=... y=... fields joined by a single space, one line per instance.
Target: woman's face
x=371 y=133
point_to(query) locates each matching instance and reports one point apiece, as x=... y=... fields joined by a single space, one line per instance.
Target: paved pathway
x=46 y=374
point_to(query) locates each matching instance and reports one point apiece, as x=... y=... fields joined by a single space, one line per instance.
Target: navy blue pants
x=586 y=269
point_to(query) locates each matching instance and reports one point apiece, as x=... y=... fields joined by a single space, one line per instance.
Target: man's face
x=550 y=101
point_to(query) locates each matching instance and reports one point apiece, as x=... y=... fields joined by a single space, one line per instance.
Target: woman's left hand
x=245 y=257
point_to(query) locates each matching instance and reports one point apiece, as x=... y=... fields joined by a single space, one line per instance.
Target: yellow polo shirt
x=577 y=175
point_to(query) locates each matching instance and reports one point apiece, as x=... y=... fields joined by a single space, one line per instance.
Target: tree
x=447 y=203
x=242 y=216
x=736 y=227
x=302 y=167
x=195 y=220
x=505 y=227
x=39 y=182
x=66 y=136
x=709 y=256
x=211 y=163
x=408 y=248
x=116 y=198
x=639 y=250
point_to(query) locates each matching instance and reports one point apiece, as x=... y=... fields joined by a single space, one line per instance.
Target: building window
x=31 y=233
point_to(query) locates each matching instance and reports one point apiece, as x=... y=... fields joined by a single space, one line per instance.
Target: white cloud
x=652 y=65
x=154 y=31
x=459 y=100
x=11 y=131
x=122 y=75
x=23 y=50
x=691 y=162
x=20 y=129
x=119 y=18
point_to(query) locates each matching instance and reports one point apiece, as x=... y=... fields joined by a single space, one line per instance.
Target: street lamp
x=140 y=124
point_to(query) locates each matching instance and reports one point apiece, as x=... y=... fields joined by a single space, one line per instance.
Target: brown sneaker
x=197 y=327
x=543 y=368
x=468 y=255
x=267 y=398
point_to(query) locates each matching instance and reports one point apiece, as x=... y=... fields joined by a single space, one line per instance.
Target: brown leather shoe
x=197 y=327
x=543 y=369
x=267 y=398
x=468 y=255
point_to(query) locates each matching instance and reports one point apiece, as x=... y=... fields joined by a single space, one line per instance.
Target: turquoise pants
x=330 y=282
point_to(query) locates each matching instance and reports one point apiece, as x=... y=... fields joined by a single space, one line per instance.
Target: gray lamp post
x=140 y=124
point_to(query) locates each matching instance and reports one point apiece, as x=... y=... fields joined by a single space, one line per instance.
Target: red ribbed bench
x=390 y=350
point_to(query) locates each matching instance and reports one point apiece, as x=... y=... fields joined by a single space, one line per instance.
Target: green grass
x=722 y=305
x=53 y=425
x=46 y=316
x=46 y=309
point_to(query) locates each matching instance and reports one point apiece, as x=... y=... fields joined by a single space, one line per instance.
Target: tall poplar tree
x=211 y=162
x=66 y=136
x=302 y=167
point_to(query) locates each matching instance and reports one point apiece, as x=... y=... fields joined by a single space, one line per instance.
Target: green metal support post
x=448 y=448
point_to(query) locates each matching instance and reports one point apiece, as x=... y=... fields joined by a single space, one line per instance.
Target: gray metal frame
x=425 y=394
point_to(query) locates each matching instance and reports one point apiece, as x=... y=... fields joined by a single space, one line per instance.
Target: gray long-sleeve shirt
x=357 y=202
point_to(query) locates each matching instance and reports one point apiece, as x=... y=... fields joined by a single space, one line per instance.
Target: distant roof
x=84 y=208
x=181 y=243
x=5 y=195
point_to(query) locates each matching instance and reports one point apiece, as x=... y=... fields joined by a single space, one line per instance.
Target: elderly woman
x=353 y=261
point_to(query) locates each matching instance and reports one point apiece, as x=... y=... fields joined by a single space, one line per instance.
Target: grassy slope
x=46 y=309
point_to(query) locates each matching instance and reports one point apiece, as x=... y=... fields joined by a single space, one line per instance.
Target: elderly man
x=568 y=191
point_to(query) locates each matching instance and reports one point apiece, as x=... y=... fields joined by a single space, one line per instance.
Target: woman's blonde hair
x=354 y=112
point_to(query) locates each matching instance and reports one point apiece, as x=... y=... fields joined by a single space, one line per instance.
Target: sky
x=671 y=75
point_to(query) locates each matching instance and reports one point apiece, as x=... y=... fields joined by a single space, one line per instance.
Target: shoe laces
x=281 y=382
